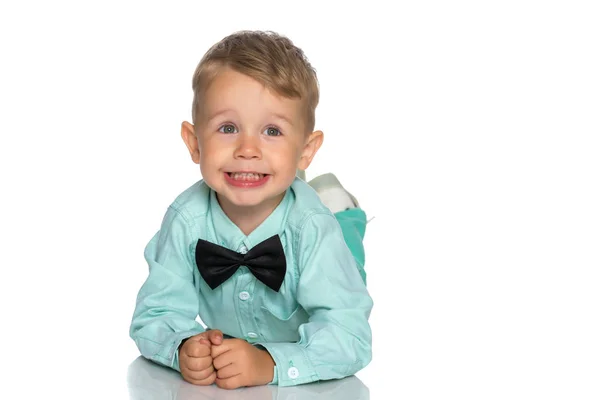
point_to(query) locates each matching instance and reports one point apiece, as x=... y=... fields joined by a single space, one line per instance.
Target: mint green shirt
x=315 y=328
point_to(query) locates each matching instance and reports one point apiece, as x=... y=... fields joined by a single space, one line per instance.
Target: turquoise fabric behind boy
x=273 y=265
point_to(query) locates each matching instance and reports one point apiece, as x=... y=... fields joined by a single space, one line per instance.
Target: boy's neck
x=247 y=219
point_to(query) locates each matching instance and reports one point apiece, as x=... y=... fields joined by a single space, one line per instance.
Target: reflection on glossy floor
x=149 y=381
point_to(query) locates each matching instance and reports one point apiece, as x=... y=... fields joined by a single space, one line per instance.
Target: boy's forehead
x=236 y=92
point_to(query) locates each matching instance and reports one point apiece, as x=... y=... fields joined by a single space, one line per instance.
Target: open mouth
x=246 y=176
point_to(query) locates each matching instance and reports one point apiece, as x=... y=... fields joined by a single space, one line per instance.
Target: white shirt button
x=252 y=335
x=243 y=249
x=293 y=372
x=244 y=296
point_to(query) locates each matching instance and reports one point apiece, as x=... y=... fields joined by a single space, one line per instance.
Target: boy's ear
x=311 y=146
x=191 y=141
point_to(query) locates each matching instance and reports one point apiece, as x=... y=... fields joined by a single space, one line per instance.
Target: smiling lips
x=246 y=179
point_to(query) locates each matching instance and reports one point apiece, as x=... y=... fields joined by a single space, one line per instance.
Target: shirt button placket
x=248 y=323
x=244 y=299
x=244 y=295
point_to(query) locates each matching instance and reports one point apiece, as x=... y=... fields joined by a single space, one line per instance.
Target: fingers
x=223 y=360
x=228 y=344
x=198 y=370
x=230 y=383
x=228 y=371
x=198 y=378
x=198 y=363
x=208 y=358
x=215 y=336
x=197 y=374
x=194 y=348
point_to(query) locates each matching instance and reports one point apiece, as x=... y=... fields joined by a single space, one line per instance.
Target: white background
x=468 y=129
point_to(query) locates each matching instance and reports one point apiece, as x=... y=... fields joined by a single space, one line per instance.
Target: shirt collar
x=228 y=234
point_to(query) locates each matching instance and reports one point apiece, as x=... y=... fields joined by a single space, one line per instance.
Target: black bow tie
x=266 y=261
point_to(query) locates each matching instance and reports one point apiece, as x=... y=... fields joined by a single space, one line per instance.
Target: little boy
x=272 y=265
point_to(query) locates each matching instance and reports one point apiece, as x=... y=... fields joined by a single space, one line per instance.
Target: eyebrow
x=218 y=113
x=275 y=115
x=284 y=118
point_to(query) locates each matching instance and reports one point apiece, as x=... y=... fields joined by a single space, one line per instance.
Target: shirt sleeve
x=336 y=340
x=167 y=303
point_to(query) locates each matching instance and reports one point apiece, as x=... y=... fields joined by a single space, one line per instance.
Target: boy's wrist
x=267 y=366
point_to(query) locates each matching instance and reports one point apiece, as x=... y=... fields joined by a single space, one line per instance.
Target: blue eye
x=271 y=131
x=227 y=128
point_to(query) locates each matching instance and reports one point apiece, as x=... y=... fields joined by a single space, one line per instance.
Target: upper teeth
x=246 y=176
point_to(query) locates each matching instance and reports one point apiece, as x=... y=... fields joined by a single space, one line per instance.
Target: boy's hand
x=238 y=364
x=195 y=360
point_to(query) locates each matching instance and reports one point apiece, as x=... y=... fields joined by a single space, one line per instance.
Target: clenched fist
x=195 y=359
x=238 y=364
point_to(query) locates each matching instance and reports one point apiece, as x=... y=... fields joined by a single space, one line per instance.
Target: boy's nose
x=247 y=147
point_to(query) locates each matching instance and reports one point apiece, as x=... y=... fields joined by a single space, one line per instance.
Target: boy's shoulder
x=193 y=201
x=307 y=205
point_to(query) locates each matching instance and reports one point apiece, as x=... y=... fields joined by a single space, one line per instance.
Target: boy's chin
x=251 y=200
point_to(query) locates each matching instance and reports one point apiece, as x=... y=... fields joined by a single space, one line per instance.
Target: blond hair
x=269 y=58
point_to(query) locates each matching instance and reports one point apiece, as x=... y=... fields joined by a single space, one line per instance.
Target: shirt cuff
x=275 y=380
x=292 y=366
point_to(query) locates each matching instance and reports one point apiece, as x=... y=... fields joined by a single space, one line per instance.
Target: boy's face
x=249 y=141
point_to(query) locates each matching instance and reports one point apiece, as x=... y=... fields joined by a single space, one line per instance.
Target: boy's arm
x=336 y=341
x=167 y=303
